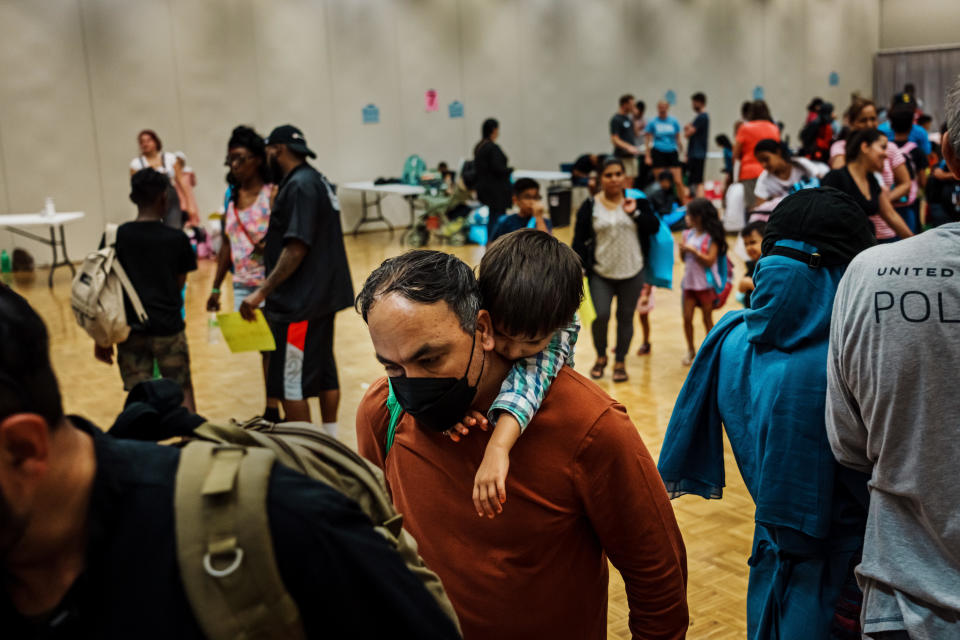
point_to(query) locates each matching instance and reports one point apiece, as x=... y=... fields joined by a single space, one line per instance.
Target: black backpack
x=469 y=174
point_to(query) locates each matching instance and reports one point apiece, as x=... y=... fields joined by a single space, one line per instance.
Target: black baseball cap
x=292 y=137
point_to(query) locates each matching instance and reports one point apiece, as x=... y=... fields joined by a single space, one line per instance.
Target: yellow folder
x=242 y=335
x=587 y=313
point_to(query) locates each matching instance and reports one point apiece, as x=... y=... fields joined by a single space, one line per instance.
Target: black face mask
x=438 y=403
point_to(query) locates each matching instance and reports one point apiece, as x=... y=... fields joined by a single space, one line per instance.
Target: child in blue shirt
x=530 y=211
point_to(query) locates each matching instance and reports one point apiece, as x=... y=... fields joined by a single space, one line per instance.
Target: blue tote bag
x=659 y=268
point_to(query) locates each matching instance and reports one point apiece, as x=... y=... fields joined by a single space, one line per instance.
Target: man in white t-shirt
x=893 y=412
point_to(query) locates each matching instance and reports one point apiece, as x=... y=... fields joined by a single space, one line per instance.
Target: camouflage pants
x=136 y=357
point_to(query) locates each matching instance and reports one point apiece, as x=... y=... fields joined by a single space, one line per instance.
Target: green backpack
x=224 y=547
x=413 y=168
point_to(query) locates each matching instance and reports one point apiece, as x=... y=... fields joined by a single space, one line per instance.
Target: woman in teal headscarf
x=761 y=375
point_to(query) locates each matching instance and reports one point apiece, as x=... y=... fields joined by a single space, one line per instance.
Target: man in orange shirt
x=582 y=486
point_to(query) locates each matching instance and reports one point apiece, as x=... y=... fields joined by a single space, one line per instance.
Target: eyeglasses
x=237 y=159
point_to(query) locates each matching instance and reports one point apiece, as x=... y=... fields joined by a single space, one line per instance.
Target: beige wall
x=81 y=77
x=919 y=23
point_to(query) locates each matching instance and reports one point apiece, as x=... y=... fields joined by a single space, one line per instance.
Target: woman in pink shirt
x=760 y=127
x=246 y=217
x=862 y=114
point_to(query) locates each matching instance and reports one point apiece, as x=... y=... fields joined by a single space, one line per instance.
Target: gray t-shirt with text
x=893 y=411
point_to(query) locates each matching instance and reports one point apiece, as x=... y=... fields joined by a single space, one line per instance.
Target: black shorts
x=303 y=364
x=664 y=160
x=695 y=170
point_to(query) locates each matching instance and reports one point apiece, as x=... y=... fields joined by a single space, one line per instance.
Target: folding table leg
x=53 y=265
x=63 y=248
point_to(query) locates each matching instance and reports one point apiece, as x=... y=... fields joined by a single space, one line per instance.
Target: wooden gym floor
x=717 y=533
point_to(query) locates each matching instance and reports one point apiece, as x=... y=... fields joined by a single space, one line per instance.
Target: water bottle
x=213 y=329
x=48 y=208
x=6 y=266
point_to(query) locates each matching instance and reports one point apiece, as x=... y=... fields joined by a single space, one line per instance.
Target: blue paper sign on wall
x=834 y=78
x=758 y=93
x=456 y=109
x=671 y=97
x=371 y=114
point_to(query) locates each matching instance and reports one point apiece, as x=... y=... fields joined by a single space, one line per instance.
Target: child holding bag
x=704 y=243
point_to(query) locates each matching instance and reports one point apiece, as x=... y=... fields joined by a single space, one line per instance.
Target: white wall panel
x=428 y=55
x=216 y=71
x=45 y=119
x=919 y=23
x=134 y=86
x=82 y=77
x=493 y=74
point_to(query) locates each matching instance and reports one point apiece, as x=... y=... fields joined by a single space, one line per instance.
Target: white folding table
x=553 y=177
x=13 y=222
x=409 y=192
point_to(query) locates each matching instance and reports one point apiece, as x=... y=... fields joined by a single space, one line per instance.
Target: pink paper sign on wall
x=430 y=100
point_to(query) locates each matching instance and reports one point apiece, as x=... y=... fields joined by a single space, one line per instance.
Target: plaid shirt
x=526 y=385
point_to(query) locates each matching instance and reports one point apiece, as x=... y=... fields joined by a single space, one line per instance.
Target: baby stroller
x=444 y=216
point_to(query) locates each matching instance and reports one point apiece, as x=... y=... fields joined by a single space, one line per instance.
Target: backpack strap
x=396 y=413
x=110 y=242
x=224 y=546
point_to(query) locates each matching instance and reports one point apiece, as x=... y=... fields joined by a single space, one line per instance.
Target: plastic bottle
x=6 y=266
x=213 y=329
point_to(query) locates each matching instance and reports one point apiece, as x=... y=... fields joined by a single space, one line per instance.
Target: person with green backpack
x=102 y=537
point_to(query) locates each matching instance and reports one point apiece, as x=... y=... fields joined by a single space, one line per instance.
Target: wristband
x=215 y=290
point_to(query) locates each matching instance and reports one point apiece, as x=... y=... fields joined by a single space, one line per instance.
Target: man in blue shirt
x=918 y=135
x=529 y=203
x=663 y=145
x=698 y=132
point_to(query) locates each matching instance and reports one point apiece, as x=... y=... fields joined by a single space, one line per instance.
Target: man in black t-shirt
x=87 y=529
x=586 y=164
x=157 y=259
x=308 y=281
x=624 y=137
x=698 y=133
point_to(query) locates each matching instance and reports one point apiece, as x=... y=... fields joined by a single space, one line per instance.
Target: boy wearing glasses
x=530 y=211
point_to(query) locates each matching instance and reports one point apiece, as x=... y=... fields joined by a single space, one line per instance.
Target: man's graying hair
x=425 y=276
x=953 y=116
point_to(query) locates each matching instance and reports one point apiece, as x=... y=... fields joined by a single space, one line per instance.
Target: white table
x=14 y=221
x=546 y=176
x=409 y=192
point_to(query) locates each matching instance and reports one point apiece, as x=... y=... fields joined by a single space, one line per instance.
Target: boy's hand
x=489 y=486
x=462 y=428
x=629 y=206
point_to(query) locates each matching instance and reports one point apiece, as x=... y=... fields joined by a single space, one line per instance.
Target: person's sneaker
x=644 y=350
x=688 y=360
